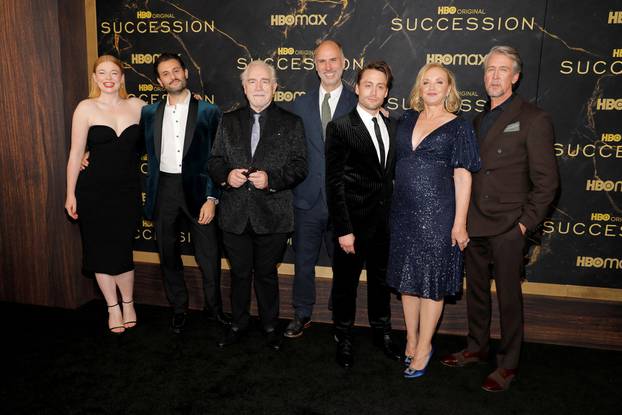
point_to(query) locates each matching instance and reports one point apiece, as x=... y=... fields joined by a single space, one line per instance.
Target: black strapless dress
x=108 y=200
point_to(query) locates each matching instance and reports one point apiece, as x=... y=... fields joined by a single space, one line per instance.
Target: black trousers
x=373 y=253
x=506 y=254
x=254 y=258
x=170 y=209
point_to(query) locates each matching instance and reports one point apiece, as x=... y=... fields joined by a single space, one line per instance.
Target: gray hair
x=508 y=51
x=259 y=62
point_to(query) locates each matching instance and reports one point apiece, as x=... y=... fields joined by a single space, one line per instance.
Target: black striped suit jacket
x=358 y=189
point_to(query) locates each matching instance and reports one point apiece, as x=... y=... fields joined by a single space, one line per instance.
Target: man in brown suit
x=511 y=195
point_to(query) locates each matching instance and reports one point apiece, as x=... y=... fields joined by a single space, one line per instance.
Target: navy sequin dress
x=422 y=261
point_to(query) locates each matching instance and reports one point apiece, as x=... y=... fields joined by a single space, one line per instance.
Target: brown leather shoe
x=499 y=380
x=463 y=358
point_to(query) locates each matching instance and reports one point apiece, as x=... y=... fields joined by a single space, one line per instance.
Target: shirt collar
x=185 y=101
x=502 y=106
x=335 y=92
x=366 y=116
x=262 y=114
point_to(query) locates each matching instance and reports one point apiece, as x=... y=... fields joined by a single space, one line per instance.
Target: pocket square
x=511 y=128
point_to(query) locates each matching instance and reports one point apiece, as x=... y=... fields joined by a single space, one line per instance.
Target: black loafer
x=296 y=327
x=345 y=357
x=178 y=323
x=218 y=317
x=385 y=343
x=232 y=336
x=274 y=340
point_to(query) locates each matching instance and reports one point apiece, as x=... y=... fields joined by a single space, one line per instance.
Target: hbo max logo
x=603 y=185
x=143 y=58
x=287 y=96
x=298 y=20
x=598 y=262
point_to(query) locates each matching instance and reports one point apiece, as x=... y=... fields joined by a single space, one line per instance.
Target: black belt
x=171 y=175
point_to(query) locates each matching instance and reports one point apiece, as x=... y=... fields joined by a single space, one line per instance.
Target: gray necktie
x=325 y=116
x=255 y=134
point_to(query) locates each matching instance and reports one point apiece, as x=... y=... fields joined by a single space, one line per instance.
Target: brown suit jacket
x=518 y=179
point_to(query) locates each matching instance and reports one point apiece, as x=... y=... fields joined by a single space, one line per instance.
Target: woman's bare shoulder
x=136 y=102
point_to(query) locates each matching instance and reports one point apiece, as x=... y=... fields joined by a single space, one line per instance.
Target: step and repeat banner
x=572 y=54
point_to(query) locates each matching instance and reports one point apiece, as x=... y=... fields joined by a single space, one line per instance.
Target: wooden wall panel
x=40 y=252
x=555 y=320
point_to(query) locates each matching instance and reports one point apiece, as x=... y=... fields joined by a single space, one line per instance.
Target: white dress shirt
x=333 y=100
x=173 y=135
x=367 y=120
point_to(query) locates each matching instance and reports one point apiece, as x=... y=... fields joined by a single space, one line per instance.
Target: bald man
x=331 y=99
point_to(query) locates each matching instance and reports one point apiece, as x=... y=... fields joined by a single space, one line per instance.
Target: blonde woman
x=435 y=153
x=104 y=198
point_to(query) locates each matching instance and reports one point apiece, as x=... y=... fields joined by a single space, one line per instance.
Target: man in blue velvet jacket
x=330 y=100
x=179 y=131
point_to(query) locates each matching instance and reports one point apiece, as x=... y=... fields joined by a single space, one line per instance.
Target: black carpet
x=65 y=362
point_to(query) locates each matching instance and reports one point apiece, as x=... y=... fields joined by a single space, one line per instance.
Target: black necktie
x=379 y=139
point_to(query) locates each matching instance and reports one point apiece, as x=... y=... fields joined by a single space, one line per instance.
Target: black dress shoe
x=219 y=317
x=274 y=340
x=385 y=343
x=178 y=323
x=345 y=357
x=232 y=336
x=296 y=326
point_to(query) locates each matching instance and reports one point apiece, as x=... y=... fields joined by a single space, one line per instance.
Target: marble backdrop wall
x=572 y=68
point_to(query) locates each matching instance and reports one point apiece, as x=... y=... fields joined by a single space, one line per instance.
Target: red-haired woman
x=105 y=198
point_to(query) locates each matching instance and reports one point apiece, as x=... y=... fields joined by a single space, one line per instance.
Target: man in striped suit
x=360 y=157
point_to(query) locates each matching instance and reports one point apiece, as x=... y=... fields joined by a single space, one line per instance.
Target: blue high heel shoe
x=411 y=373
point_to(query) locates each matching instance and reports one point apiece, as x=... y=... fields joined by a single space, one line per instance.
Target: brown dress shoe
x=499 y=380
x=463 y=358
